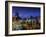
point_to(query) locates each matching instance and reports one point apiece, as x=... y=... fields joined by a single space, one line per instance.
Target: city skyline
x=25 y=11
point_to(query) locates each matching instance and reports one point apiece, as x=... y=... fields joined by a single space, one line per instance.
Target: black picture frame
x=6 y=18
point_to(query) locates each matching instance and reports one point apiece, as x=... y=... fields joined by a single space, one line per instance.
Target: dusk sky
x=26 y=11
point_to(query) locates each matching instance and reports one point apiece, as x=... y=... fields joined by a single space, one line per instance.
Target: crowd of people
x=25 y=24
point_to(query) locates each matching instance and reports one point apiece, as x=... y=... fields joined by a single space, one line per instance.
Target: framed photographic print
x=24 y=18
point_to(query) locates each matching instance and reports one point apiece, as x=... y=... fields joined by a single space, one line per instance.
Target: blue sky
x=26 y=11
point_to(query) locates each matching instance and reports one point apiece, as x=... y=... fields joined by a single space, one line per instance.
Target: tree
x=17 y=15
